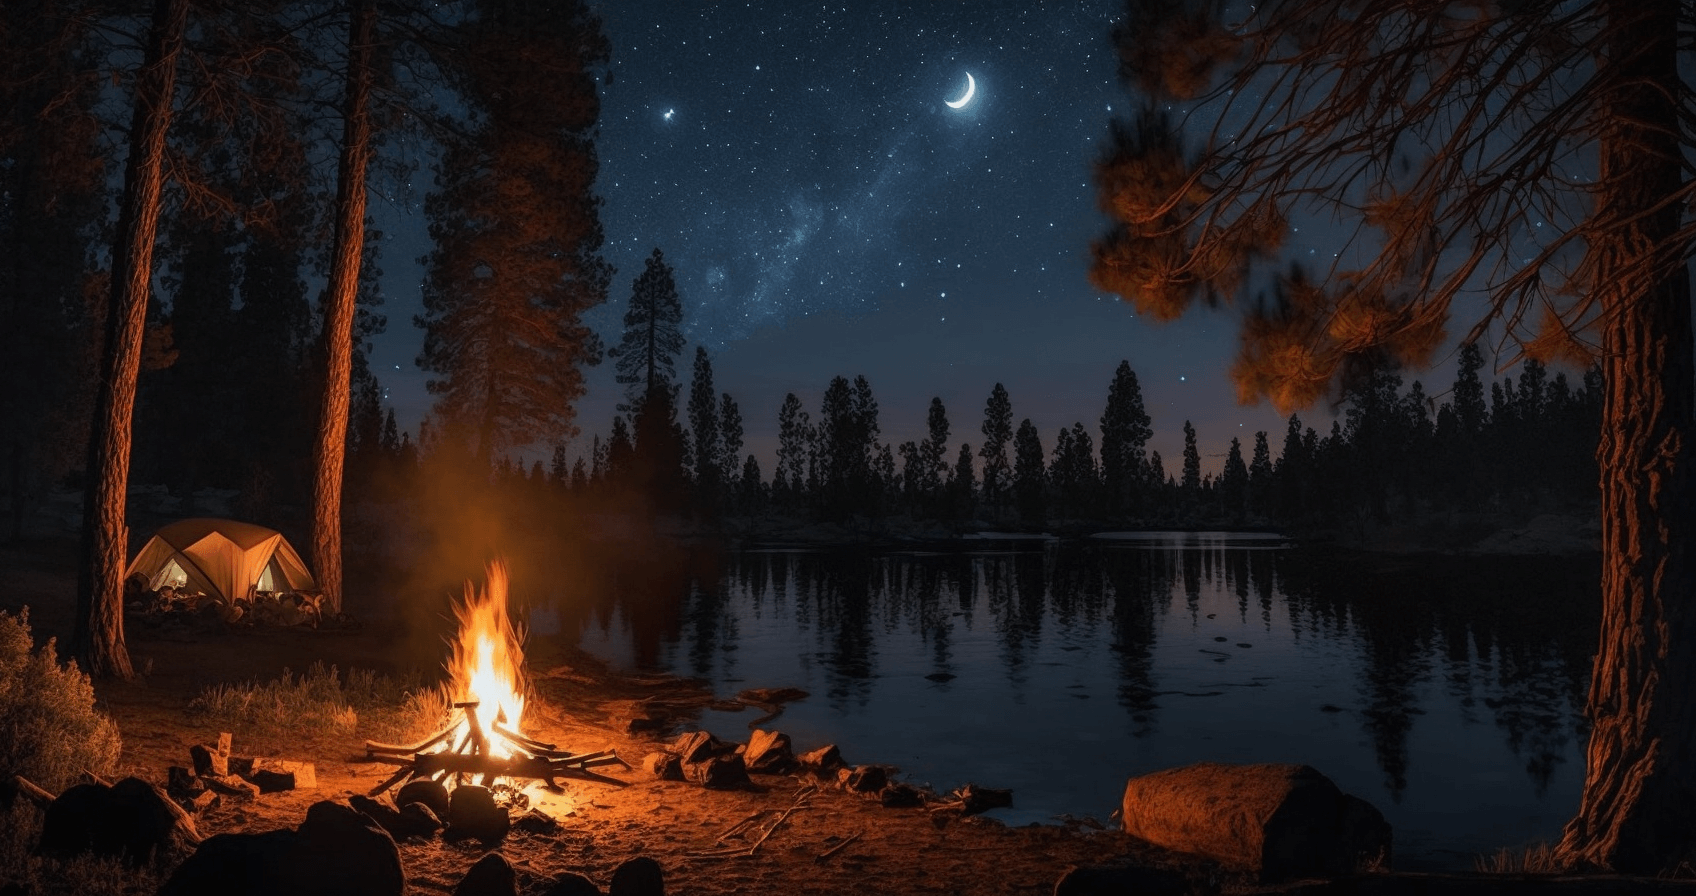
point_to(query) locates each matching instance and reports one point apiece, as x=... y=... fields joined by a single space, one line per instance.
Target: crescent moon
x=971 y=88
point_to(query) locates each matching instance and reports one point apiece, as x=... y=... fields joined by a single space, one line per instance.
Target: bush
x=50 y=731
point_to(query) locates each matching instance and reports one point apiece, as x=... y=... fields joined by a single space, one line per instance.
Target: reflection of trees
x=1520 y=629
x=842 y=601
x=1138 y=579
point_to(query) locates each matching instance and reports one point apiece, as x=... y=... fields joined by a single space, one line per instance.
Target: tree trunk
x=98 y=641
x=1638 y=812
x=331 y=454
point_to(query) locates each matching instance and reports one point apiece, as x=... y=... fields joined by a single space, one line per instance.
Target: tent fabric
x=224 y=558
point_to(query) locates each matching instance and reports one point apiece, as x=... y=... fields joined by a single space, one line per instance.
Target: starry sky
x=826 y=213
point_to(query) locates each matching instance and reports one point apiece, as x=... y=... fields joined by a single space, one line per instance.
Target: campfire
x=484 y=743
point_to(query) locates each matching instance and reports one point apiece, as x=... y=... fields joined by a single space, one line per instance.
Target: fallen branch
x=838 y=847
x=731 y=852
x=36 y=795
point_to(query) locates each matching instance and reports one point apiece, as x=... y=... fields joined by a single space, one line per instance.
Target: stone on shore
x=769 y=753
x=1279 y=822
x=492 y=875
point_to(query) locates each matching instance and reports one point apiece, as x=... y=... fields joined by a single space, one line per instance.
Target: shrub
x=50 y=731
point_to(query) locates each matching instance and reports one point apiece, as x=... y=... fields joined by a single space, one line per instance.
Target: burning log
x=474 y=756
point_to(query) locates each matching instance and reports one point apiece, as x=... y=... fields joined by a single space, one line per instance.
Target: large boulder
x=131 y=819
x=1280 y=822
x=350 y=853
x=336 y=851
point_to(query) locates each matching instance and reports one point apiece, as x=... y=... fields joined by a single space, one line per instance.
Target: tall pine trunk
x=98 y=641
x=1638 y=812
x=331 y=453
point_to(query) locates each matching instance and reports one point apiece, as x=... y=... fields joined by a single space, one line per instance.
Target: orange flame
x=488 y=663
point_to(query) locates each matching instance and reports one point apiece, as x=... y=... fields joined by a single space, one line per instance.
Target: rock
x=862 y=778
x=349 y=854
x=423 y=790
x=1277 y=821
x=273 y=775
x=901 y=796
x=400 y=825
x=825 y=760
x=265 y=864
x=769 y=753
x=1114 y=880
x=641 y=724
x=422 y=816
x=717 y=772
x=772 y=695
x=572 y=884
x=472 y=813
x=698 y=746
x=640 y=876
x=664 y=766
x=181 y=784
x=975 y=799
x=335 y=852
x=232 y=786
x=208 y=762
x=536 y=821
x=491 y=876
x=131 y=819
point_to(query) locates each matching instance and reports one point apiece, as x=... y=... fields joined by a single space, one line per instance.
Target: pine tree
x=997 y=432
x=516 y=228
x=330 y=450
x=1192 y=461
x=933 y=456
x=1260 y=476
x=653 y=335
x=1125 y=431
x=730 y=440
x=1233 y=480
x=794 y=435
x=98 y=639
x=1029 y=472
x=704 y=425
x=52 y=203
x=962 y=484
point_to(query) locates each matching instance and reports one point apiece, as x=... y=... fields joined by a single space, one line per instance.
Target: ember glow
x=487 y=666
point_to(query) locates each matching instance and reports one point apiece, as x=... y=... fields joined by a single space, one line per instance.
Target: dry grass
x=1538 y=858
x=323 y=702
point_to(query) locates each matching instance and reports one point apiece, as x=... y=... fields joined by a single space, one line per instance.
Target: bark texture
x=330 y=456
x=1638 y=812
x=98 y=641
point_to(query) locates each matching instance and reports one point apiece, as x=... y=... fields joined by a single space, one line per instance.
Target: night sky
x=827 y=213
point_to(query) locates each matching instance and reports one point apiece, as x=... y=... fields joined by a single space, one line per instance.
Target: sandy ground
x=916 y=850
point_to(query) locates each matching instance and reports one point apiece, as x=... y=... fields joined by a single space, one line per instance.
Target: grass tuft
x=1538 y=858
x=323 y=701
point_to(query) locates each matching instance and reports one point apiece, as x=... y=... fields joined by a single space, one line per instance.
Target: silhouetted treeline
x=1392 y=454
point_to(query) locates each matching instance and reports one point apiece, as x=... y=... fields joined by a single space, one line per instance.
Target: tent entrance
x=170 y=574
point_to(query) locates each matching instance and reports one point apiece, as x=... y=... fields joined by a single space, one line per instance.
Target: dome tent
x=223 y=558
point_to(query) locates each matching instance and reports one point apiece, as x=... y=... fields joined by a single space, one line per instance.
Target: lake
x=1448 y=692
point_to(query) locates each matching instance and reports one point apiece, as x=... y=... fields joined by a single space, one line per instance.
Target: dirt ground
x=832 y=841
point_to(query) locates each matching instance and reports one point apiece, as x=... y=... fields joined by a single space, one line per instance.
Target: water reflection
x=1449 y=692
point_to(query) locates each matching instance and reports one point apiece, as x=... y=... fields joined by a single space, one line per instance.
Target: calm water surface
x=1449 y=693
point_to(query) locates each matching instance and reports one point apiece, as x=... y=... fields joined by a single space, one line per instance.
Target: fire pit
x=481 y=744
